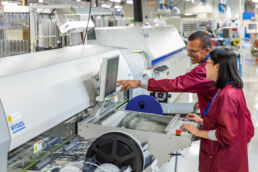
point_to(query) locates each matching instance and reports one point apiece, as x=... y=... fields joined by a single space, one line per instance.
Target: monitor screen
x=252 y=26
x=108 y=77
x=111 y=76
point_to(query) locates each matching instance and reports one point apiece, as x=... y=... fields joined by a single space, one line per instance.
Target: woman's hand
x=127 y=84
x=194 y=117
x=190 y=128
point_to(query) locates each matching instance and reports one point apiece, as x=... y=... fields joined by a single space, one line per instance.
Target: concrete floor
x=189 y=159
x=250 y=78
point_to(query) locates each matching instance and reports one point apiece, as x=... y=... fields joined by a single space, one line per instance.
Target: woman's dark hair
x=228 y=71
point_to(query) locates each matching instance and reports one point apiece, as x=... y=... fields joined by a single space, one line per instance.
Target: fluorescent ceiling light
x=115 y=1
x=9 y=3
x=188 y=14
x=129 y=1
x=118 y=6
x=105 y=6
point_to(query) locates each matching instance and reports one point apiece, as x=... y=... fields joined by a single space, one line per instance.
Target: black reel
x=119 y=149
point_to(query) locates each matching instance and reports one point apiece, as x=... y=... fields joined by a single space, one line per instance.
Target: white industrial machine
x=159 y=43
x=61 y=111
x=162 y=45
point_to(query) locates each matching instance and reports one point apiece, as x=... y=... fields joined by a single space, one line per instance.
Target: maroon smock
x=191 y=82
x=231 y=119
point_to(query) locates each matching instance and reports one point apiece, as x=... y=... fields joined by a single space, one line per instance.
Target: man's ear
x=207 y=50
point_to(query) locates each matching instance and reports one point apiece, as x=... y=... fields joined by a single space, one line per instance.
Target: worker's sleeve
x=194 y=81
x=226 y=120
x=249 y=127
x=212 y=135
x=248 y=121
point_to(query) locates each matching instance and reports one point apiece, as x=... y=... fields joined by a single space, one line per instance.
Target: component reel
x=118 y=148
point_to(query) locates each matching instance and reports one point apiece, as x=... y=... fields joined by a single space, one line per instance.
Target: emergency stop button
x=178 y=132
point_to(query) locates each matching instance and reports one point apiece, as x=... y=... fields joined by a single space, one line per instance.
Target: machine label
x=16 y=127
x=38 y=146
x=15 y=123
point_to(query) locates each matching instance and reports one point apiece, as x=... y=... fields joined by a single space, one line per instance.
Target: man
x=198 y=47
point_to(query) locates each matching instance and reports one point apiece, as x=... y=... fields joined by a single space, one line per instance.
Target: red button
x=178 y=132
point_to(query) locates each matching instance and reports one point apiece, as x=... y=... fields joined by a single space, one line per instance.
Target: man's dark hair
x=203 y=37
x=228 y=70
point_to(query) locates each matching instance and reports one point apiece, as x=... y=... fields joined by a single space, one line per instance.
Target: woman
x=226 y=125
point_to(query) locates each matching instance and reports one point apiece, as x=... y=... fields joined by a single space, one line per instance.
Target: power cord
x=87 y=27
x=52 y=13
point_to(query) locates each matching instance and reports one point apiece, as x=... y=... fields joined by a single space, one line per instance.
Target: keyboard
x=176 y=123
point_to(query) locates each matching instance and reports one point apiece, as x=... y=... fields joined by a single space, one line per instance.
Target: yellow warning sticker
x=38 y=146
x=9 y=118
x=35 y=148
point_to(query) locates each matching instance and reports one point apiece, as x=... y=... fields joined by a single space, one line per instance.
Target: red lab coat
x=231 y=119
x=192 y=82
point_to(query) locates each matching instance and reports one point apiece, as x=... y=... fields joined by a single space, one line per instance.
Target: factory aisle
x=250 y=78
x=189 y=159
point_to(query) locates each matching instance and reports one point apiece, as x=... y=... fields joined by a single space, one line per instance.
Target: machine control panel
x=174 y=126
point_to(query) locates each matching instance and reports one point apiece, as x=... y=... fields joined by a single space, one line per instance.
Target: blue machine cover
x=144 y=103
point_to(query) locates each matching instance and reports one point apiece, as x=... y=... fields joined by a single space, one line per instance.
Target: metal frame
x=161 y=145
x=5 y=140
